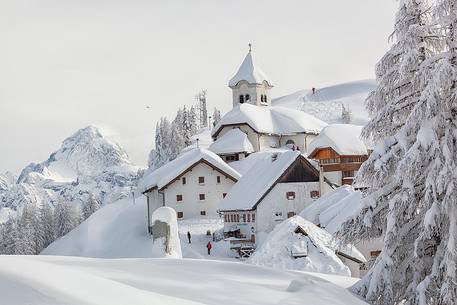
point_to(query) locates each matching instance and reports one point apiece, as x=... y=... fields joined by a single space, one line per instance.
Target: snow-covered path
x=53 y=280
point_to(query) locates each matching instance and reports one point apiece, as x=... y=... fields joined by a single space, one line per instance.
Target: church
x=259 y=125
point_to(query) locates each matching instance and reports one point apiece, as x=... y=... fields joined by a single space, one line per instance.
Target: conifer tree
x=395 y=172
x=90 y=206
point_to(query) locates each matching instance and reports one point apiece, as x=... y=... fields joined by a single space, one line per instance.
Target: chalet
x=193 y=185
x=340 y=153
x=278 y=186
x=264 y=126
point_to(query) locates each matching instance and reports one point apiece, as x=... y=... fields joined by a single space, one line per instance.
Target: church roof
x=250 y=73
x=234 y=141
x=344 y=139
x=271 y=120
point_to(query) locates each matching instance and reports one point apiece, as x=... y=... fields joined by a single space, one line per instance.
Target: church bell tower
x=250 y=84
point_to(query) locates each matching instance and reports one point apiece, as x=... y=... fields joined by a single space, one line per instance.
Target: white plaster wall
x=254 y=90
x=191 y=205
x=276 y=201
x=353 y=266
x=368 y=246
x=268 y=141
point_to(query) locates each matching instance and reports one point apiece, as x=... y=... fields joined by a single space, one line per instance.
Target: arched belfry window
x=241 y=99
x=247 y=97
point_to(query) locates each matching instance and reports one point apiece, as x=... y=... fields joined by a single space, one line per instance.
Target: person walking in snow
x=188 y=236
x=209 y=246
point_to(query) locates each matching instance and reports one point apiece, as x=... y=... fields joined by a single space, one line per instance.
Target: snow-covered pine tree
x=48 y=226
x=216 y=116
x=66 y=218
x=28 y=241
x=392 y=205
x=10 y=236
x=90 y=206
x=177 y=138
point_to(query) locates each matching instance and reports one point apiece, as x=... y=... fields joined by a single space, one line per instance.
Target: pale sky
x=67 y=64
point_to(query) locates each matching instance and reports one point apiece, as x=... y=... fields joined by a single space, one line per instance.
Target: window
x=178 y=197
x=201 y=197
x=244 y=217
x=201 y=180
x=224 y=194
x=232 y=218
x=290 y=214
x=241 y=99
x=253 y=217
x=218 y=179
x=249 y=218
x=225 y=218
x=237 y=217
x=247 y=97
x=290 y=142
x=278 y=215
x=348 y=174
x=203 y=213
x=180 y=214
x=375 y=253
x=290 y=195
x=314 y=194
x=183 y=180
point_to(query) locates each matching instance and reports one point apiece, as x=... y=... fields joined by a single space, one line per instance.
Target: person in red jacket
x=209 y=246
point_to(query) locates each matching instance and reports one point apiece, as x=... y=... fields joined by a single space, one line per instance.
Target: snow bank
x=166 y=241
x=273 y=120
x=234 y=141
x=318 y=245
x=334 y=208
x=163 y=175
x=81 y=281
x=342 y=138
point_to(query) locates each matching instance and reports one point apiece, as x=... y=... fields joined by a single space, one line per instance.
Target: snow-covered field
x=79 y=281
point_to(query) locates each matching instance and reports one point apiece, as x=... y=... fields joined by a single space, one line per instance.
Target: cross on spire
x=250 y=47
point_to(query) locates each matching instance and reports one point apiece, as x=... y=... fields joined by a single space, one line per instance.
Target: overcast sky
x=67 y=64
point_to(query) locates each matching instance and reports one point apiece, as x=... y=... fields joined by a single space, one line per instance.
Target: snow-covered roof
x=250 y=73
x=320 y=247
x=271 y=120
x=334 y=208
x=233 y=141
x=344 y=139
x=173 y=169
x=258 y=181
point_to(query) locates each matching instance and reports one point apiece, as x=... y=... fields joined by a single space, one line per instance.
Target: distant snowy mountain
x=328 y=103
x=87 y=163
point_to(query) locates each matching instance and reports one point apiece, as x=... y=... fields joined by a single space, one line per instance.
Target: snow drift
x=81 y=281
x=315 y=249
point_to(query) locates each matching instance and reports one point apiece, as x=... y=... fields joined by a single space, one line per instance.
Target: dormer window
x=241 y=99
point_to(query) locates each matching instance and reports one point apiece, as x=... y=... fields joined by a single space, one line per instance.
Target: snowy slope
x=87 y=162
x=327 y=103
x=82 y=281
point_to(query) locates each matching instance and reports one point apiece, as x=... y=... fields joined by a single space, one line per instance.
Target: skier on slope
x=209 y=246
